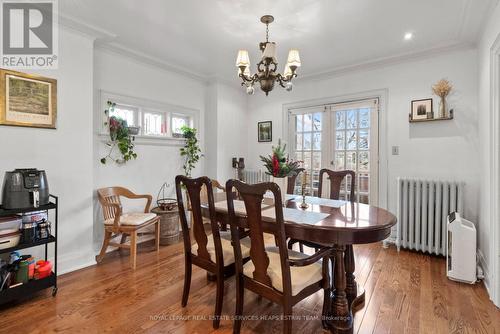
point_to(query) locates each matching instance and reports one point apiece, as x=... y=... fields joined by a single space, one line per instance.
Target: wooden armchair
x=275 y=273
x=116 y=223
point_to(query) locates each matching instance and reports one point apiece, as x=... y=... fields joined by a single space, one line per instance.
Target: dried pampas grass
x=442 y=88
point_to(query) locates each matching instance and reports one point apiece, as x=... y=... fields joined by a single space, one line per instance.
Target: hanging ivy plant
x=191 y=150
x=121 y=137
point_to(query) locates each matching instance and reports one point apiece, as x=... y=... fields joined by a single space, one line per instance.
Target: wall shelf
x=450 y=117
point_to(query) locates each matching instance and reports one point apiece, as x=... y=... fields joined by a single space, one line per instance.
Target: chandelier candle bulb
x=243 y=60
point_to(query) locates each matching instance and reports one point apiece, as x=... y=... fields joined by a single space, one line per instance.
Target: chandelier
x=267 y=67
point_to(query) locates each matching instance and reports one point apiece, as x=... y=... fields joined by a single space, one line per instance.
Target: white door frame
x=494 y=216
x=381 y=94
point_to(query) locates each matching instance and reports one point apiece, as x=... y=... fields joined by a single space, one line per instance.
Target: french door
x=338 y=136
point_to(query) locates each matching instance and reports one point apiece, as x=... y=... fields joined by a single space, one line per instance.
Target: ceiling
x=202 y=37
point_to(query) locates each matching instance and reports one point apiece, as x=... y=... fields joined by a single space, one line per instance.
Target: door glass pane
x=317 y=141
x=351 y=140
x=317 y=122
x=316 y=165
x=339 y=160
x=299 y=123
x=364 y=161
x=352 y=116
x=299 y=142
x=340 y=141
x=299 y=156
x=364 y=182
x=364 y=139
x=307 y=141
x=364 y=118
x=308 y=122
x=307 y=160
x=350 y=161
x=340 y=120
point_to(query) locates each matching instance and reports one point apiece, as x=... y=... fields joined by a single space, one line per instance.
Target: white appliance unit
x=461 y=249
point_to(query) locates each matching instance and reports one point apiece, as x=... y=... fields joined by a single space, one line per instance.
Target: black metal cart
x=33 y=286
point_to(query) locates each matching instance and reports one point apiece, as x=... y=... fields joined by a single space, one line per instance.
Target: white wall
x=490 y=34
x=155 y=164
x=65 y=153
x=447 y=149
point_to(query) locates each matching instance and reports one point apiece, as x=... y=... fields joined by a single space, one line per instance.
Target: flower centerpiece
x=442 y=89
x=280 y=167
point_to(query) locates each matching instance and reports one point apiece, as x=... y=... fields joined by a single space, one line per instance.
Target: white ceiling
x=203 y=37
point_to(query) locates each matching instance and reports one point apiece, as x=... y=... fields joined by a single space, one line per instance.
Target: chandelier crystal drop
x=267 y=67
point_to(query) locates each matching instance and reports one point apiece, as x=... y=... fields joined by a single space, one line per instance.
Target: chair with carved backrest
x=336 y=178
x=276 y=273
x=212 y=252
x=291 y=181
x=116 y=222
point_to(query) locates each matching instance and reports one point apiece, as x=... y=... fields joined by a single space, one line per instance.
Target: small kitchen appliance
x=25 y=188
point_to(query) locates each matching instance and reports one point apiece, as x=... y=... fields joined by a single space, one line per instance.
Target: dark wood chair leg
x=218 y=299
x=301 y=247
x=327 y=293
x=187 y=279
x=287 y=318
x=351 y=285
x=239 y=303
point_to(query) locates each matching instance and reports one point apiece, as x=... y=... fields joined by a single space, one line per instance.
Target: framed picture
x=420 y=108
x=27 y=100
x=265 y=131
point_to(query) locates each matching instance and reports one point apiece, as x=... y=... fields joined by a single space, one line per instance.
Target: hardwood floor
x=406 y=292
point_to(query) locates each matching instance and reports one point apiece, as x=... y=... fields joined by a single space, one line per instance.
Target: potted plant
x=191 y=150
x=280 y=167
x=442 y=89
x=121 y=135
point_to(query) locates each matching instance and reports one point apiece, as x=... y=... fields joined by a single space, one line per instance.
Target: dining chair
x=273 y=272
x=335 y=178
x=213 y=252
x=118 y=223
x=291 y=181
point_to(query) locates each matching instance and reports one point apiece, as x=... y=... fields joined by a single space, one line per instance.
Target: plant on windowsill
x=191 y=150
x=280 y=167
x=121 y=135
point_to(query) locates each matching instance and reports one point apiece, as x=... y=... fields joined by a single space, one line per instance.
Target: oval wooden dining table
x=349 y=224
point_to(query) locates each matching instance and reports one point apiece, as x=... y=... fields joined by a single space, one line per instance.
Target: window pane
x=364 y=182
x=307 y=160
x=299 y=156
x=299 y=142
x=299 y=123
x=125 y=113
x=352 y=119
x=364 y=161
x=351 y=140
x=307 y=141
x=340 y=140
x=351 y=161
x=317 y=122
x=154 y=124
x=339 y=160
x=316 y=164
x=363 y=142
x=340 y=120
x=308 y=122
x=364 y=118
x=178 y=122
x=317 y=141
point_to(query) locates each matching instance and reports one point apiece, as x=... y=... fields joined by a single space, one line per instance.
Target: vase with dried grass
x=442 y=89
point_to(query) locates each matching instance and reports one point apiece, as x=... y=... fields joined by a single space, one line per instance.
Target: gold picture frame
x=27 y=100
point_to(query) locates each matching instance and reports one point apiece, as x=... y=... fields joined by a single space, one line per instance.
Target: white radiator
x=255 y=176
x=423 y=206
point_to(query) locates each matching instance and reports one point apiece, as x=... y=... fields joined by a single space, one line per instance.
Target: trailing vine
x=191 y=150
x=121 y=137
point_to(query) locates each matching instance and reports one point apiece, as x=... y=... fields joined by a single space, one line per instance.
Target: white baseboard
x=74 y=261
x=486 y=272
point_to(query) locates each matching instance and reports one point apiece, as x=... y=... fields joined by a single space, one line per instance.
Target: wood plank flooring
x=406 y=292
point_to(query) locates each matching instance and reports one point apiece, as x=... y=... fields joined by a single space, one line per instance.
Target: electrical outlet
x=395 y=150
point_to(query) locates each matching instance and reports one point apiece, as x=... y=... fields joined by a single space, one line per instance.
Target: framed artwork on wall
x=27 y=100
x=421 y=109
x=265 y=131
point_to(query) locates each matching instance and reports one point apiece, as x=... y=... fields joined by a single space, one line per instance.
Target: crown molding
x=79 y=26
x=144 y=58
x=388 y=61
